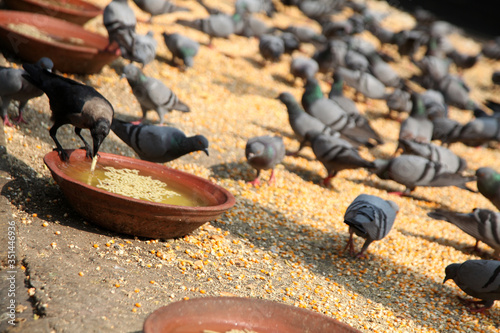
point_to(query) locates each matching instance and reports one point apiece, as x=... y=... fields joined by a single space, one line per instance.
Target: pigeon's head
x=131 y=72
x=46 y=63
x=200 y=142
x=380 y=168
x=451 y=272
x=393 y=205
x=286 y=97
x=485 y=173
x=253 y=149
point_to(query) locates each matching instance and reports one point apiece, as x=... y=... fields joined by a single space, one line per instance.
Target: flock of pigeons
x=331 y=125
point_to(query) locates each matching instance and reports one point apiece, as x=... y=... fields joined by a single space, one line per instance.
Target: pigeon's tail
x=443 y=215
x=453 y=179
x=466 y=222
x=180 y=106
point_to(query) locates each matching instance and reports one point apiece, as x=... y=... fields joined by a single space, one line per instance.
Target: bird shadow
x=233 y=170
x=255 y=63
x=241 y=86
x=303 y=173
x=283 y=79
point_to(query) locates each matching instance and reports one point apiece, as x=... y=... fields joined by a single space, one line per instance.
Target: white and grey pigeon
x=336 y=154
x=448 y=159
x=479 y=279
x=263 y=153
x=369 y=217
x=482 y=224
x=120 y=21
x=304 y=68
x=354 y=127
x=159 y=7
x=158 y=144
x=412 y=171
x=364 y=83
x=181 y=47
x=488 y=184
x=14 y=87
x=152 y=94
x=271 y=47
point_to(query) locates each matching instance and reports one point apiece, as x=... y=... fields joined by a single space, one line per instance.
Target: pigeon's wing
x=480 y=278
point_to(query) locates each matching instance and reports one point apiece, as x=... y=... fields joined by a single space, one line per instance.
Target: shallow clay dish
x=71 y=48
x=76 y=11
x=222 y=314
x=138 y=217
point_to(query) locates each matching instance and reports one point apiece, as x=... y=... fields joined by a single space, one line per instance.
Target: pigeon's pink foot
x=137 y=122
x=7 y=122
x=20 y=119
x=255 y=182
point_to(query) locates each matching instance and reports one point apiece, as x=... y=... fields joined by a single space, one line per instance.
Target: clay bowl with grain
x=222 y=314
x=72 y=48
x=75 y=11
x=135 y=216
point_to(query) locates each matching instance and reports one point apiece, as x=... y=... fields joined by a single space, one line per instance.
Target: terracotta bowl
x=86 y=57
x=138 y=217
x=222 y=314
x=76 y=11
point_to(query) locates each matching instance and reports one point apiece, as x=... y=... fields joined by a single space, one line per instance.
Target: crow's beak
x=206 y=151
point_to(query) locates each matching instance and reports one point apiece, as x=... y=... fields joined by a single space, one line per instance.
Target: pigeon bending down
x=306 y=34
x=271 y=47
x=370 y=217
x=488 y=184
x=455 y=92
x=482 y=224
x=417 y=126
x=119 y=20
x=158 y=7
x=336 y=154
x=254 y=6
x=73 y=103
x=383 y=71
x=399 y=100
x=13 y=86
x=152 y=94
x=181 y=47
x=263 y=153
x=304 y=68
x=215 y=25
x=364 y=83
x=412 y=171
x=479 y=279
x=336 y=94
x=158 y=144
x=448 y=159
x=446 y=130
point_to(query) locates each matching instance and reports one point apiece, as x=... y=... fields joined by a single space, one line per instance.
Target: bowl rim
x=51 y=158
x=83 y=11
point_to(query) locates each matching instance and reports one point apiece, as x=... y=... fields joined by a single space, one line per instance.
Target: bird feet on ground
x=255 y=182
x=20 y=119
x=7 y=122
x=475 y=306
x=137 y=122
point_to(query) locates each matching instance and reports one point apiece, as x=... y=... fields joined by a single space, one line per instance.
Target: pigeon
x=488 y=184
x=73 y=103
x=399 y=100
x=495 y=77
x=335 y=29
x=158 y=144
x=482 y=224
x=143 y=49
x=417 y=126
x=331 y=56
x=434 y=104
x=446 y=130
x=433 y=69
x=255 y=6
x=158 y=7
x=304 y=68
x=264 y=152
x=360 y=45
x=181 y=47
x=478 y=132
x=448 y=159
x=355 y=61
x=290 y=42
x=152 y=94
x=355 y=127
x=299 y=120
x=306 y=34
x=412 y=171
x=271 y=47
x=364 y=83
x=385 y=36
x=215 y=26
x=336 y=154
x=409 y=41
x=494 y=106
x=336 y=94
x=13 y=86
x=119 y=20
x=455 y=92
x=370 y=217
x=383 y=71
x=317 y=10
x=463 y=61
x=491 y=49
x=479 y=279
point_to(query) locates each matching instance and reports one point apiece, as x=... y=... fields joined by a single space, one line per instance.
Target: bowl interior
x=77 y=7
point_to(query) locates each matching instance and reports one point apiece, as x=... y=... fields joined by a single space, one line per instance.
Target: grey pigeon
x=479 y=279
x=143 y=49
x=158 y=144
x=355 y=61
x=119 y=20
x=463 y=61
x=434 y=104
x=482 y=224
x=369 y=217
x=254 y=6
x=215 y=26
x=331 y=56
x=412 y=171
x=433 y=69
x=360 y=45
x=304 y=68
x=336 y=154
x=158 y=7
x=455 y=92
x=364 y=83
x=383 y=71
x=446 y=130
x=73 y=103
x=385 y=36
x=299 y=120
x=152 y=94
x=355 y=127
x=399 y=100
x=181 y=47
x=448 y=159
x=290 y=42
x=478 y=132
x=263 y=153
x=249 y=26
x=488 y=184
x=336 y=94
x=13 y=86
x=417 y=126
x=491 y=48
x=306 y=34
x=271 y=47
x=321 y=9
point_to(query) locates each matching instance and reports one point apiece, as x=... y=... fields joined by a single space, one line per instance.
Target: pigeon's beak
x=206 y=151
x=122 y=76
x=250 y=155
x=446 y=278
